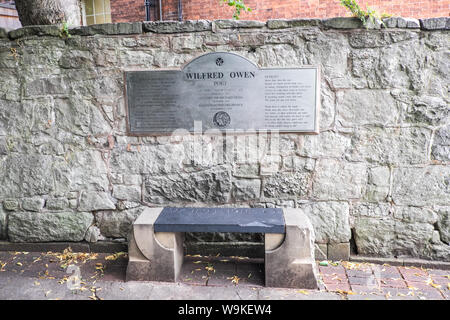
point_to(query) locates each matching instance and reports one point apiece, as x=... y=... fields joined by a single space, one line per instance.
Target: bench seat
x=155 y=243
x=244 y=220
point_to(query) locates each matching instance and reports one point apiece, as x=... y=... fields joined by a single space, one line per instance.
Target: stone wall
x=377 y=175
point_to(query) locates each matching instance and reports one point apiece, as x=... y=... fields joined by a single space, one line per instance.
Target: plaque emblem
x=219 y=61
x=221 y=119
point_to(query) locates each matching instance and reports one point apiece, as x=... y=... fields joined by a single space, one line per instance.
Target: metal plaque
x=222 y=91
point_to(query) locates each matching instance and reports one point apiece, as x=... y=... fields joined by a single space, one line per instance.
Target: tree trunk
x=45 y=12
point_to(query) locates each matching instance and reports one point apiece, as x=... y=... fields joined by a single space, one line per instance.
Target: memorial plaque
x=222 y=91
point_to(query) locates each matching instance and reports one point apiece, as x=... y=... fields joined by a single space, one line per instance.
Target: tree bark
x=45 y=12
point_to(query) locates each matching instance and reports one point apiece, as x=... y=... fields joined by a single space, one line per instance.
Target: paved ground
x=81 y=276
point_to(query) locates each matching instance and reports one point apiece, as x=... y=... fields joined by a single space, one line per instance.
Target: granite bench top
x=243 y=220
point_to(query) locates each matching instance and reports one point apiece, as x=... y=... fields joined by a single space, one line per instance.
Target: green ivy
x=365 y=16
x=239 y=6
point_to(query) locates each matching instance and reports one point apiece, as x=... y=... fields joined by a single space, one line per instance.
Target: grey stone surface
x=330 y=220
x=129 y=193
x=233 y=24
x=292 y=23
x=350 y=177
x=399 y=22
x=92 y=201
x=27 y=31
x=3 y=33
x=56 y=203
x=116 y=224
x=210 y=185
x=10 y=204
x=440 y=149
x=176 y=26
x=54 y=226
x=123 y=28
x=339 y=251
x=343 y=23
x=391 y=146
x=3 y=224
x=421 y=186
x=33 y=204
x=441 y=23
x=381 y=158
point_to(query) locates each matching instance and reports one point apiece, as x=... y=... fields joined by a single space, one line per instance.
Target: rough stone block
x=326 y=144
x=287 y=184
x=338 y=180
x=56 y=203
x=3 y=33
x=114 y=224
x=232 y=24
x=390 y=146
x=11 y=204
x=177 y=26
x=330 y=220
x=375 y=236
x=122 y=28
x=440 y=149
x=343 y=23
x=442 y=23
x=362 y=107
x=292 y=23
x=33 y=204
x=339 y=251
x=399 y=22
x=246 y=189
x=129 y=193
x=53 y=31
x=92 y=201
x=421 y=186
x=209 y=185
x=48 y=226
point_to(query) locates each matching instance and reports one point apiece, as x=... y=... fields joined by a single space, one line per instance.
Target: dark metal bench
x=156 y=241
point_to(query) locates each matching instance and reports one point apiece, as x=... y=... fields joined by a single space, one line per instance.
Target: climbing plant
x=365 y=16
x=239 y=6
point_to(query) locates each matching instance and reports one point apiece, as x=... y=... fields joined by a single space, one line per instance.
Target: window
x=96 y=11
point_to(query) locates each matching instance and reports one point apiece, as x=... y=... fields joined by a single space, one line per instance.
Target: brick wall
x=128 y=10
x=134 y=10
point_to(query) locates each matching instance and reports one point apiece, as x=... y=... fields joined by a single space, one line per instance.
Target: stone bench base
x=289 y=257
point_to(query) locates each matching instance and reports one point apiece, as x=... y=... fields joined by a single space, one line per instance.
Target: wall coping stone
x=128 y=28
x=3 y=33
x=120 y=28
x=52 y=30
x=399 y=22
x=232 y=24
x=177 y=26
x=292 y=23
x=440 y=23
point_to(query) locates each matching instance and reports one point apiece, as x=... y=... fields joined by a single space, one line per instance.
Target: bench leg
x=154 y=256
x=292 y=264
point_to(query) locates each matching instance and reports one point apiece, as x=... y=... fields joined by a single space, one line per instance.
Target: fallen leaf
x=19 y=264
x=234 y=279
x=115 y=256
x=37 y=283
x=302 y=292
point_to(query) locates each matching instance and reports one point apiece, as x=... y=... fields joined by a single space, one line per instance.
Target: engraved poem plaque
x=222 y=91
